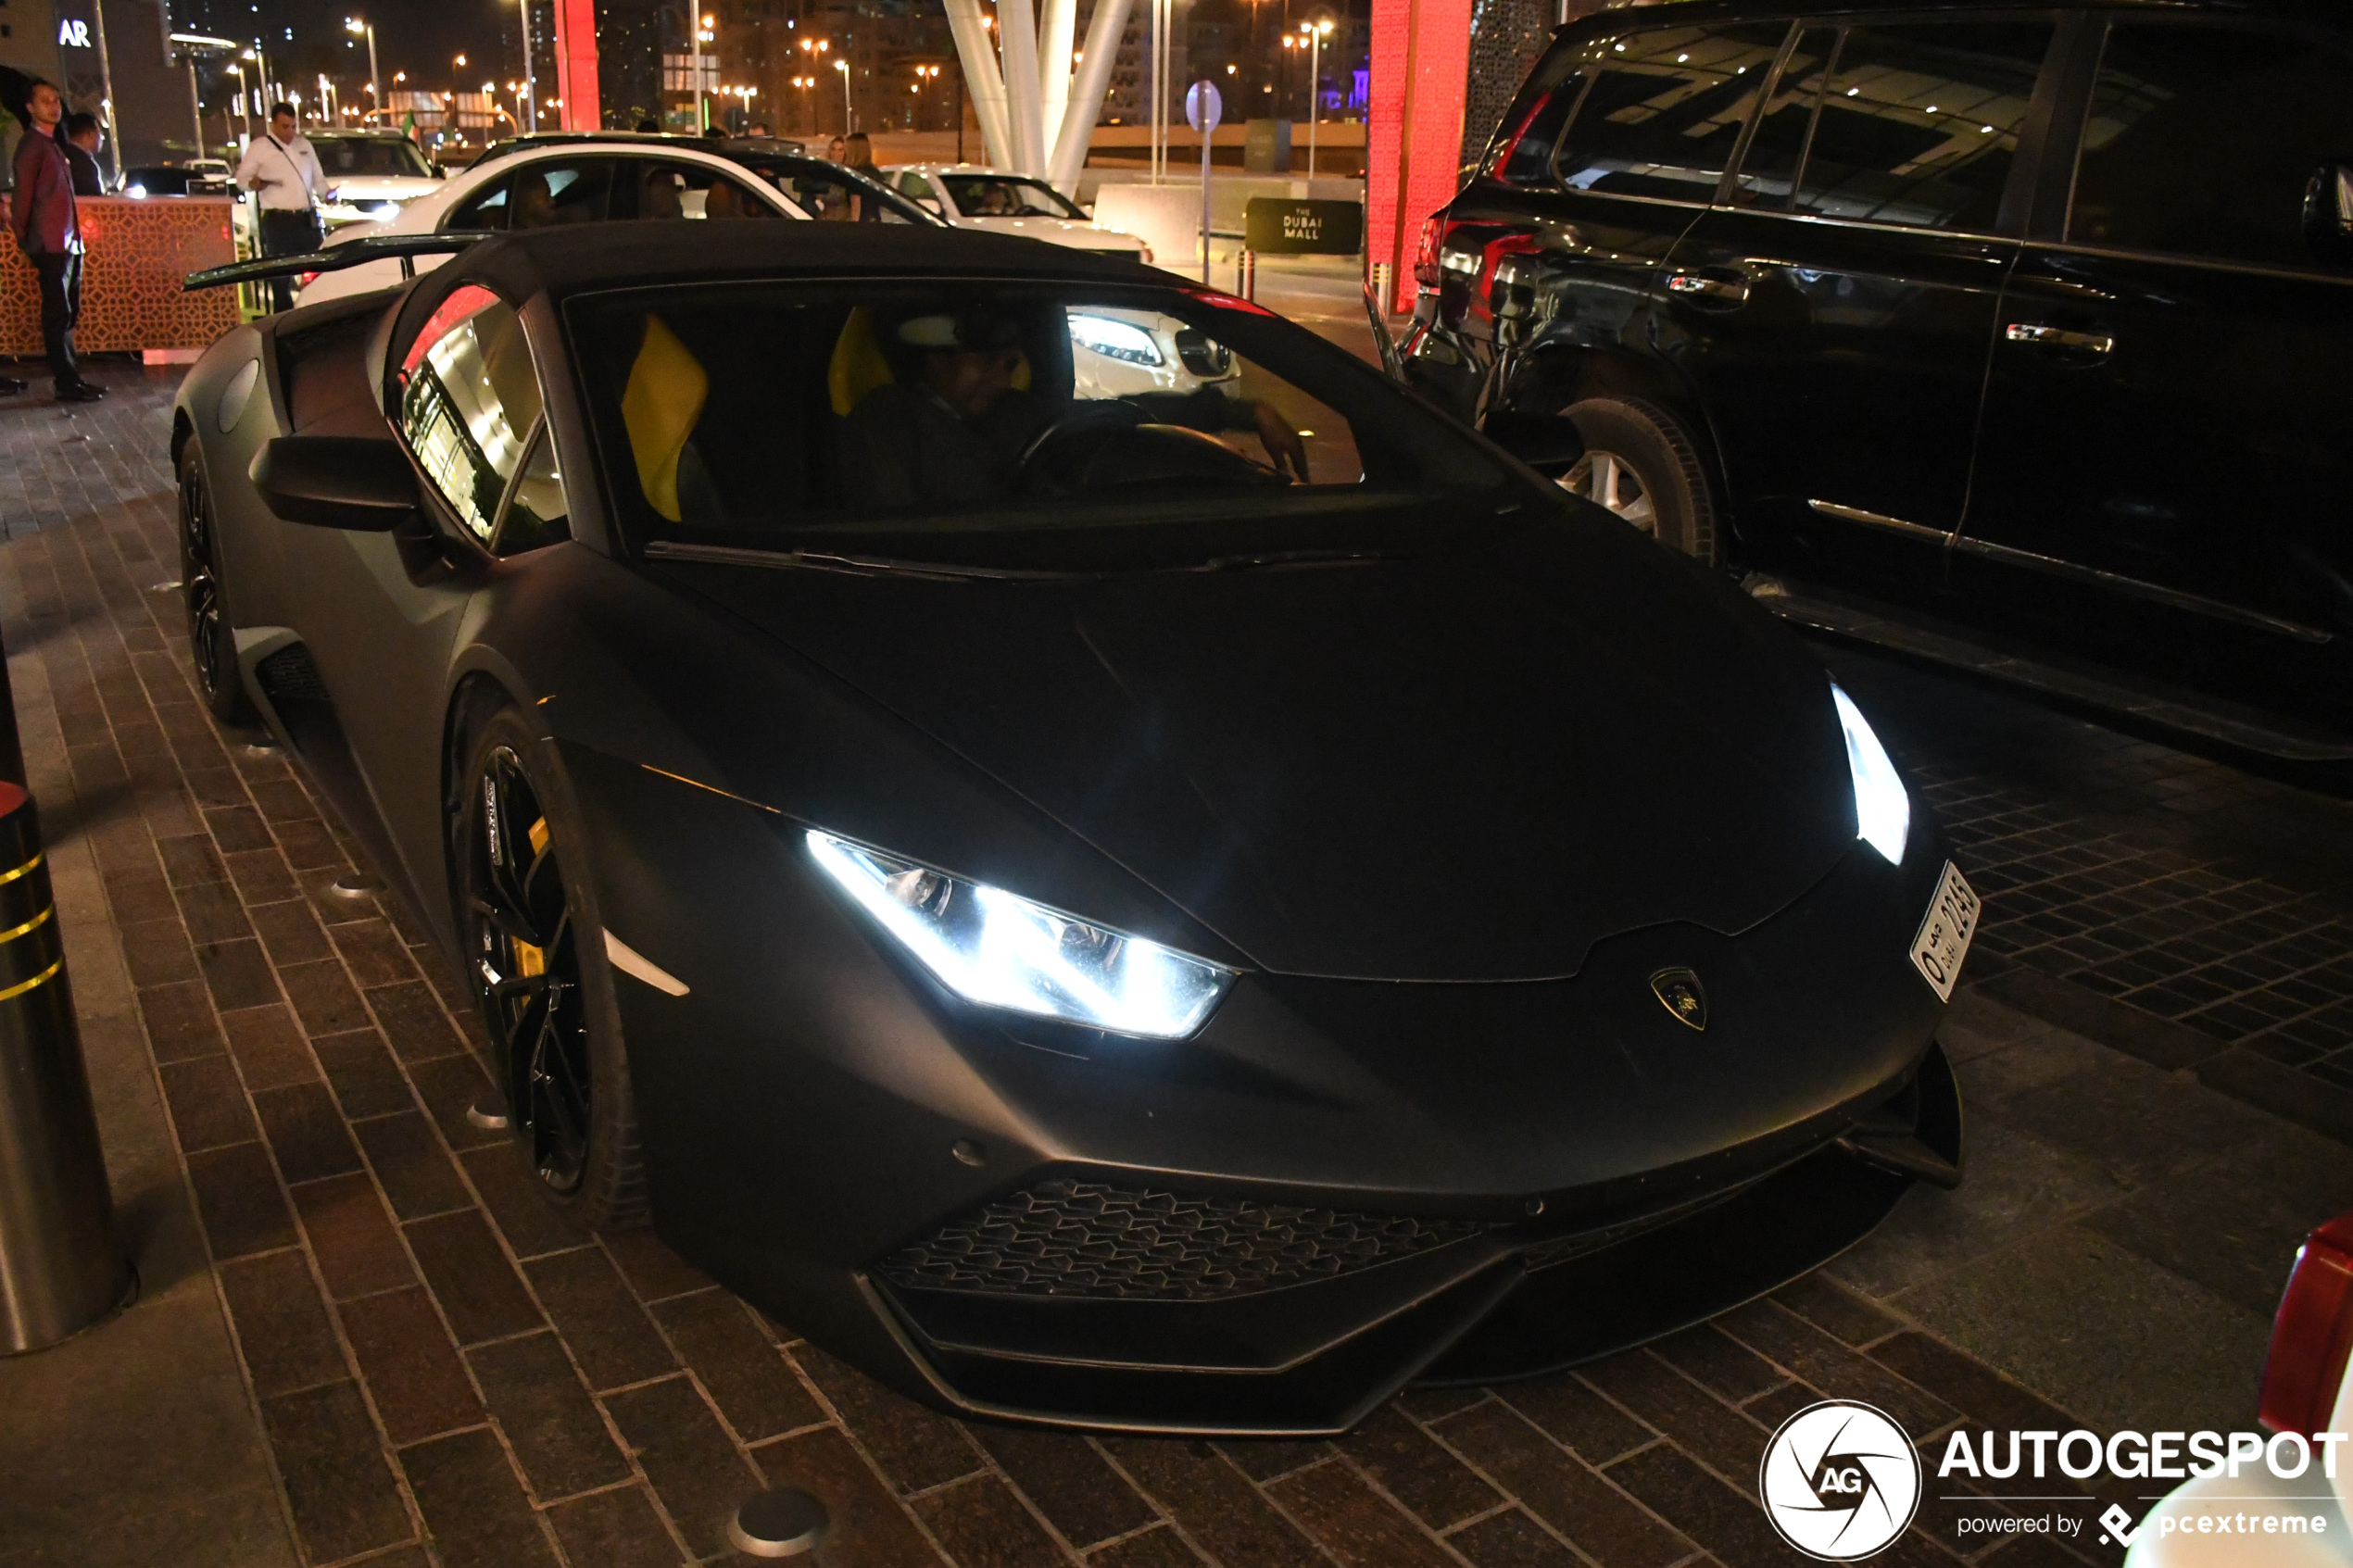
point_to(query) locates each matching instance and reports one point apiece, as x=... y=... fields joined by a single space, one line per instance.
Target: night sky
x=421 y=37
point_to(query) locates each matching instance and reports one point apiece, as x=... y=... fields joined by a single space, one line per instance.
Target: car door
x=2168 y=435
x=1614 y=148
x=1834 y=313
x=471 y=410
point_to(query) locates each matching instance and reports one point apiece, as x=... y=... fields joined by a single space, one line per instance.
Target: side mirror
x=356 y=483
x=2328 y=213
x=1547 y=443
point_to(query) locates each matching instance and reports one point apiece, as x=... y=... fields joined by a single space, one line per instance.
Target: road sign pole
x=1203 y=110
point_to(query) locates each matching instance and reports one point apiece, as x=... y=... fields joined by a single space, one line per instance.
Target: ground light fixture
x=1000 y=950
x=1882 y=812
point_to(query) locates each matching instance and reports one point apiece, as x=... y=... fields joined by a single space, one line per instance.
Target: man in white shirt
x=282 y=171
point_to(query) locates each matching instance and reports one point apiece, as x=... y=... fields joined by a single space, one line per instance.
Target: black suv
x=2020 y=338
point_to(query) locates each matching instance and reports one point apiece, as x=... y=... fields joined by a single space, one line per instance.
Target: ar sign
x=74 y=35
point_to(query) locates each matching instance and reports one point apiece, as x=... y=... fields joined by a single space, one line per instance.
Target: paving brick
x=1824 y=1362
x=1512 y=1539
x=1703 y=1426
x=1729 y=1523
x=983 y=1525
x=1352 y=1522
x=870 y=1528
x=448 y=1087
x=530 y=1224
x=338 y=1485
x=915 y=1448
x=1163 y=1547
x=179 y=1021
x=1214 y=1503
x=470 y=1277
x=609 y=1332
x=238 y=1198
x=1070 y=1483
x=409 y=1366
x=697 y=1475
x=282 y=1324
x=208 y=1109
x=306 y=1133
x=1567 y=1495
x=289 y=931
x=613 y=1529
x=1843 y=1312
x=352 y=1238
x=1570 y=1412
x=654 y=1272
x=365 y=1079
x=237 y=972
x=323 y=999
x=209 y=909
x=474 y=1512
x=558 y=1436
x=1407 y=1464
x=1719 y=1362
x=412 y=1018
x=157 y=953
x=411 y=1166
x=738 y=1366
x=270 y=1050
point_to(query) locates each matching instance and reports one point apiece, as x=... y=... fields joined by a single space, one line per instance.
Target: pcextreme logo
x=1840 y=1481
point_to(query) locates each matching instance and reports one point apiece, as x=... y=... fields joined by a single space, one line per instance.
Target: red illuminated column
x=576 y=63
x=1421 y=74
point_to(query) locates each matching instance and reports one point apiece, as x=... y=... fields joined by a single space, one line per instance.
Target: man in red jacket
x=48 y=230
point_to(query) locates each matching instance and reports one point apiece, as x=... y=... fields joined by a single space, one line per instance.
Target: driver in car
x=951 y=430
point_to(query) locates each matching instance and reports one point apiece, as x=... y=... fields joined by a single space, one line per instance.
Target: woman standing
x=859 y=155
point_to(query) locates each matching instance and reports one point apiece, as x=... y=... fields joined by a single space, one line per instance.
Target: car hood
x=1466 y=767
x=380 y=187
x=1054 y=231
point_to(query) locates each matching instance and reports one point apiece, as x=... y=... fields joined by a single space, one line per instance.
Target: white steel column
x=1057 y=35
x=1017 y=27
x=983 y=80
x=1103 y=34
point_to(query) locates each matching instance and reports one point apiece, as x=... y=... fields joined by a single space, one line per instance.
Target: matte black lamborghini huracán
x=1061 y=833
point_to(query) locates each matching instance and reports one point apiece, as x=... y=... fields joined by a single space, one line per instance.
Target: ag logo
x=1679 y=991
x=1840 y=1481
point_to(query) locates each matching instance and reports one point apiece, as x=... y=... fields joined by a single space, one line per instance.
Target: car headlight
x=1115 y=340
x=384 y=212
x=1882 y=812
x=1001 y=951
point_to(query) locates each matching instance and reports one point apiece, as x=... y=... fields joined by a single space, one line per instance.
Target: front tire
x=536 y=960
x=1641 y=467
x=213 y=646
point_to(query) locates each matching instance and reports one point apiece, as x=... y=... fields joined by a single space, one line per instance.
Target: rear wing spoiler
x=404 y=248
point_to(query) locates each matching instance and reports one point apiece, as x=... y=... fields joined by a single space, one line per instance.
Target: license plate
x=1944 y=933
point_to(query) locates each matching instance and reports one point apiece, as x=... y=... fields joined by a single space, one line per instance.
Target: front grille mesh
x=1088 y=1239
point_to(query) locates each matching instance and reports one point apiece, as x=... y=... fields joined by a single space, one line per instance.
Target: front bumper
x=1336 y=1188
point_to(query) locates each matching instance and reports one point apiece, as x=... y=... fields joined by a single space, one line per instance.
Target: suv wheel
x=1640 y=466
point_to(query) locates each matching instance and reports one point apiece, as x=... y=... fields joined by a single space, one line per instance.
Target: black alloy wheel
x=212 y=648
x=525 y=956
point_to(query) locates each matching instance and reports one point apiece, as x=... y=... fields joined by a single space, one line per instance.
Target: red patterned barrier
x=137 y=251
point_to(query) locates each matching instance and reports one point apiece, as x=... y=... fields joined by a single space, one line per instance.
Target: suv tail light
x=1426 y=254
x=2313 y=1334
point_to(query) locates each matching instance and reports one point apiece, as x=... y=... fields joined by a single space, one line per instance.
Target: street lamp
x=1317 y=32
x=702 y=35
x=849 y=114
x=529 y=81
x=367 y=30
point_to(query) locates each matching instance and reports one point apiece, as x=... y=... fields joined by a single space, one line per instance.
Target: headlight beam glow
x=1882 y=812
x=995 y=948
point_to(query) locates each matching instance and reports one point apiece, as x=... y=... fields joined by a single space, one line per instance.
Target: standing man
x=282 y=172
x=81 y=145
x=48 y=230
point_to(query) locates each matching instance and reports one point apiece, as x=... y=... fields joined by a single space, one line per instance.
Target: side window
x=1769 y=169
x=485 y=208
x=1919 y=122
x=469 y=407
x=1532 y=126
x=1662 y=109
x=690 y=190
x=2201 y=141
x=915 y=186
x=536 y=513
x=552 y=193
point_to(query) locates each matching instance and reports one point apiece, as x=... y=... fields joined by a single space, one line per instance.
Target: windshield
x=370 y=157
x=773 y=414
x=1006 y=195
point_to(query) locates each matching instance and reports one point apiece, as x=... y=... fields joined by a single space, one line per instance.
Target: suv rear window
x=1660 y=110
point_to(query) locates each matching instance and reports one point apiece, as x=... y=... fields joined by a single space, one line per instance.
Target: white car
x=1118 y=352
x=368 y=175
x=550 y=184
x=2257 y=1519
x=973 y=197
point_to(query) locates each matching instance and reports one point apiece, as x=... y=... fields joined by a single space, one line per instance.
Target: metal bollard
x=1383 y=290
x=59 y=1268
x=1246 y=273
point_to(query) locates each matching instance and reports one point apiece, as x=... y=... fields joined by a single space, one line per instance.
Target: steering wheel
x=1048 y=451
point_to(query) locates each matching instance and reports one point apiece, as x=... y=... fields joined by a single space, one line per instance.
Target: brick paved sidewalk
x=445 y=1372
